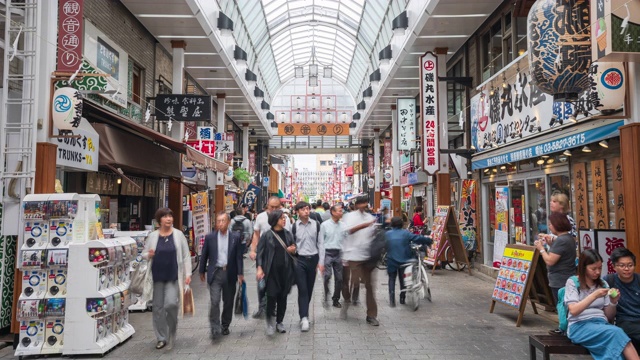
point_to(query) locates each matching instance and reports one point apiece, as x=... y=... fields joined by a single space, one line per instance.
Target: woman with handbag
x=169 y=271
x=275 y=264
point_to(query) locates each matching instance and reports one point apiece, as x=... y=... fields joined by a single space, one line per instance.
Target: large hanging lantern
x=559 y=39
x=66 y=108
x=608 y=77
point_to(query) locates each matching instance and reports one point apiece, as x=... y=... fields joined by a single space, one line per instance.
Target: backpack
x=238 y=227
x=377 y=246
x=563 y=309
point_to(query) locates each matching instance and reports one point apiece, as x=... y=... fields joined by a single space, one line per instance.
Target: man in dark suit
x=223 y=251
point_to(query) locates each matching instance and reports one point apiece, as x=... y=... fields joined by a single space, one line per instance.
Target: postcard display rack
x=55 y=277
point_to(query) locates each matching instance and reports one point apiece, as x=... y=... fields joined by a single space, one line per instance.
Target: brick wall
x=115 y=21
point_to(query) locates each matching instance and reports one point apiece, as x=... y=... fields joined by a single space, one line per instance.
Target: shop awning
x=96 y=112
x=549 y=143
x=134 y=155
x=205 y=160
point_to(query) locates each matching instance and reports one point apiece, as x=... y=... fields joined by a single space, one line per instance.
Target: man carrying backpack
x=310 y=249
x=241 y=225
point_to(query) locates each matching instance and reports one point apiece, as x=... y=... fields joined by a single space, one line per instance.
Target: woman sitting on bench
x=591 y=309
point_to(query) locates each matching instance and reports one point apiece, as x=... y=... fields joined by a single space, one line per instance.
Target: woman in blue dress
x=592 y=308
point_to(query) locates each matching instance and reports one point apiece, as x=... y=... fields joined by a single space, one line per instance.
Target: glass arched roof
x=344 y=34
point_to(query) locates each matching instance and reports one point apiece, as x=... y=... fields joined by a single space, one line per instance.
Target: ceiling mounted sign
x=313 y=130
x=560 y=47
x=616 y=30
x=183 y=107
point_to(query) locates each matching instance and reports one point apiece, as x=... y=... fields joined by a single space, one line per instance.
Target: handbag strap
x=283 y=245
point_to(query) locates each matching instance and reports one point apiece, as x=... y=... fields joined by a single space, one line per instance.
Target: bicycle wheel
x=425 y=285
x=451 y=260
x=415 y=298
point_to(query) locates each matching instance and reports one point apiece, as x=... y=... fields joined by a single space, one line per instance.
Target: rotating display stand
x=137 y=304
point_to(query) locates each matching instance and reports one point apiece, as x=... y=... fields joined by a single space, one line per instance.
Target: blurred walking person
x=332 y=234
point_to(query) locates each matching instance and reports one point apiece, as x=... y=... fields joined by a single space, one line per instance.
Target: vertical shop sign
x=502 y=208
x=70 y=33
x=387 y=153
x=252 y=162
x=406 y=168
x=618 y=194
x=600 y=208
x=406 y=109
x=371 y=165
x=580 y=191
x=467 y=215
x=200 y=210
x=429 y=108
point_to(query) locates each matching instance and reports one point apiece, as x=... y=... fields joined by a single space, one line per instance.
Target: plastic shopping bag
x=138 y=277
x=188 y=307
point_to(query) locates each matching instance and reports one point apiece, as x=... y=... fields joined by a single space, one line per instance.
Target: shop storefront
x=530 y=147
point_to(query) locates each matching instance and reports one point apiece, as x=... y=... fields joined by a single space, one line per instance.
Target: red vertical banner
x=387 y=153
x=371 y=165
x=70 y=34
x=252 y=162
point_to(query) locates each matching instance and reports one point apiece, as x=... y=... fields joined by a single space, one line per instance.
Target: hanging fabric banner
x=467 y=216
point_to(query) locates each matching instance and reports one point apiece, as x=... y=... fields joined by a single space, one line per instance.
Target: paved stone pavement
x=456 y=325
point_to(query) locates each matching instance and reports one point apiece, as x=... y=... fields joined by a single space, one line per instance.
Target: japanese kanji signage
x=607 y=241
x=205 y=133
x=101 y=183
x=580 y=192
x=110 y=59
x=610 y=41
x=79 y=153
x=618 y=193
x=313 y=129
x=183 y=107
x=371 y=165
x=406 y=109
x=128 y=187
x=429 y=108
x=207 y=147
x=600 y=208
x=70 y=34
x=386 y=160
x=252 y=162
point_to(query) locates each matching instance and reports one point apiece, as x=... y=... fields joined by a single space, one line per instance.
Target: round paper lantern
x=609 y=78
x=67 y=108
x=560 y=47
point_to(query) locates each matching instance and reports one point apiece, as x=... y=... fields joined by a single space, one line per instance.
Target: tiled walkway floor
x=456 y=325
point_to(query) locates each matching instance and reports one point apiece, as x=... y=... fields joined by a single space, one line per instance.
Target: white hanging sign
x=429 y=109
x=406 y=109
x=66 y=108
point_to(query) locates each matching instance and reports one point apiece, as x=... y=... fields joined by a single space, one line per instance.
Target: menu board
x=515 y=278
x=513 y=275
x=437 y=230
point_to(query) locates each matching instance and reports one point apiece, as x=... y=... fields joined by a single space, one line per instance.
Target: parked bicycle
x=415 y=278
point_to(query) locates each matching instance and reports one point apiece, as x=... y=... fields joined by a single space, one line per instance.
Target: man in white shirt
x=356 y=250
x=261 y=226
x=332 y=234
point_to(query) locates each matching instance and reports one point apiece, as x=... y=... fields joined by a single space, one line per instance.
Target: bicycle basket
x=407 y=275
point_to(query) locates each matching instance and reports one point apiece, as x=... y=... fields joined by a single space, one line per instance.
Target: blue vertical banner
x=250 y=195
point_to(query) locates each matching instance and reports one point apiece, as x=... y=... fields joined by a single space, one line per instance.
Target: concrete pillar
x=443 y=179
x=376 y=167
x=245 y=146
x=395 y=165
x=178 y=47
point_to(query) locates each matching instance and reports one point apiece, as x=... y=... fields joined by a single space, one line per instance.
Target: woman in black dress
x=275 y=264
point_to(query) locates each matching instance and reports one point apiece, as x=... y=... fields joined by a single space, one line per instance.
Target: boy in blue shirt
x=628 y=282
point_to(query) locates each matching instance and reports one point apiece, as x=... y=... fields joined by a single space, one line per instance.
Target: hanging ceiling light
x=328 y=103
x=328 y=117
x=313 y=117
x=299 y=103
x=298 y=117
x=586 y=149
x=343 y=116
x=540 y=161
x=572 y=119
x=283 y=116
x=604 y=144
x=314 y=102
x=550 y=160
x=567 y=153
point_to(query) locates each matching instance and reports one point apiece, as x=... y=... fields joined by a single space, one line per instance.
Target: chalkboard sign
x=183 y=107
x=445 y=233
x=515 y=282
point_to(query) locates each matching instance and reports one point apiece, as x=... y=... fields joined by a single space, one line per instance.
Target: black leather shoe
x=336 y=304
x=402 y=302
x=226 y=331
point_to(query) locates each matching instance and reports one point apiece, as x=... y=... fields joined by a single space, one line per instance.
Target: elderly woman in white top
x=169 y=258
